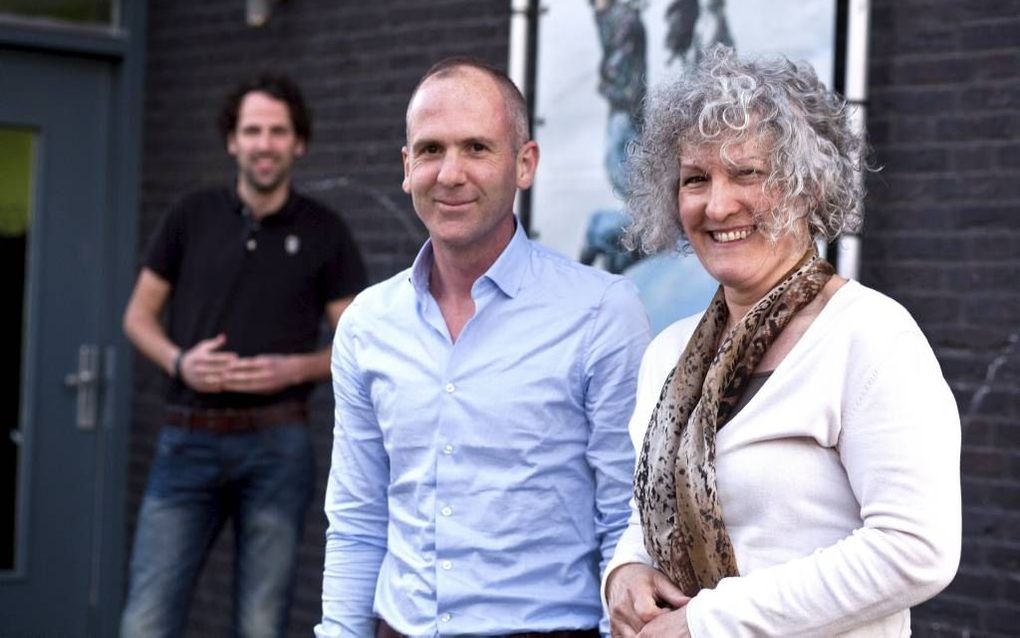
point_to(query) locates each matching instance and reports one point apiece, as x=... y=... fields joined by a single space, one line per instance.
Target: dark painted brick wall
x=942 y=236
x=357 y=62
x=942 y=233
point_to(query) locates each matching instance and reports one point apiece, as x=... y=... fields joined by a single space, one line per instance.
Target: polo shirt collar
x=283 y=215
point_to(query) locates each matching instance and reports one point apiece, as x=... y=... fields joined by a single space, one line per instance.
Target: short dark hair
x=516 y=105
x=276 y=86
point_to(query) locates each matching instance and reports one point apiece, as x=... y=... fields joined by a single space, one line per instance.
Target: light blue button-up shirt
x=479 y=487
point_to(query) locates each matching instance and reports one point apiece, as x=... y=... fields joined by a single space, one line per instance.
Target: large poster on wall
x=596 y=59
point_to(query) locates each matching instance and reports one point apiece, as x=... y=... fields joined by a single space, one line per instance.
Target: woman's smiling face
x=723 y=200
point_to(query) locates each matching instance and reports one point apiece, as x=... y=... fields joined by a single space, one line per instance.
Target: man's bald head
x=516 y=106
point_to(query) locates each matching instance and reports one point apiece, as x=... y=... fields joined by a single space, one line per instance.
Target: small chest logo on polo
x=292 y=244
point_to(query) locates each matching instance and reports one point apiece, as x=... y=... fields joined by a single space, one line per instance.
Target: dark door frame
x=123 y=45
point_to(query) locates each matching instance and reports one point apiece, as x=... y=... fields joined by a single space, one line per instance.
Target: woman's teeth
x=727 y=236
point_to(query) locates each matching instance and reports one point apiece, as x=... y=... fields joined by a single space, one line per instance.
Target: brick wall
x=943 y=237
x=942 y=233
x=357 y=62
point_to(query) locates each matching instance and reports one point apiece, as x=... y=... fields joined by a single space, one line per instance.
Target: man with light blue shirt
x=481 y=466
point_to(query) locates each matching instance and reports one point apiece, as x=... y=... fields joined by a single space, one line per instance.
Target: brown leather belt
x=385 y=631
x=234 y=420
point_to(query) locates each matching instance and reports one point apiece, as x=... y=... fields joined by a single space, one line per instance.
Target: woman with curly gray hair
x=829 y=504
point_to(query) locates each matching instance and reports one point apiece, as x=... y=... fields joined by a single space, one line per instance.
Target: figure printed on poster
x=694 y=26
x=623 y=83
x=578 y=205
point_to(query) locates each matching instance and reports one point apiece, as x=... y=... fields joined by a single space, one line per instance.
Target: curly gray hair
x=815 y=157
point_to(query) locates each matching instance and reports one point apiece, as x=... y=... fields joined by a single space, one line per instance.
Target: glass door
x=86 y=12
x=17 y=167
x=54 y=203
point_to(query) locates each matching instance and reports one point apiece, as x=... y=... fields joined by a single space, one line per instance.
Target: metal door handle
x=86 y=380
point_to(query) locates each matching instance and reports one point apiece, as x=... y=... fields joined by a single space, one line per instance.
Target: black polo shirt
x=264 y=284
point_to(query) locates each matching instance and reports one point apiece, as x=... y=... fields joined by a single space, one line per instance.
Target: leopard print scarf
x=675 y=483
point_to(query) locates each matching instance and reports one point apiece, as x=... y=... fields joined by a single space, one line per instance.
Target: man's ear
x=405 y=157
x=232 y=143
x=527 y=164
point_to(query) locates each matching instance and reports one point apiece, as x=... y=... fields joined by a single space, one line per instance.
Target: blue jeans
x=263 y=481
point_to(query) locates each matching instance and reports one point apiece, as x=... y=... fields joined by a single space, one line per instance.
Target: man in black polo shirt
x=247 y=273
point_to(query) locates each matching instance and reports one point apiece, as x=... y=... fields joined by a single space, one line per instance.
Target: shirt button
x=450 y=387
x=445 y=618
x=251 y=245
x=446 y=511
x=447 y=449
x=447 y=564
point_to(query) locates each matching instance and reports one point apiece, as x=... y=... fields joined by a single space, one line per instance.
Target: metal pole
x=518 y=64
x=856 y=92
x=520 y=70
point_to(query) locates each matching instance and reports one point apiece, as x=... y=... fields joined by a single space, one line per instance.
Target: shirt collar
x=284 y=214
x=507 y=272
x=421 y=267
